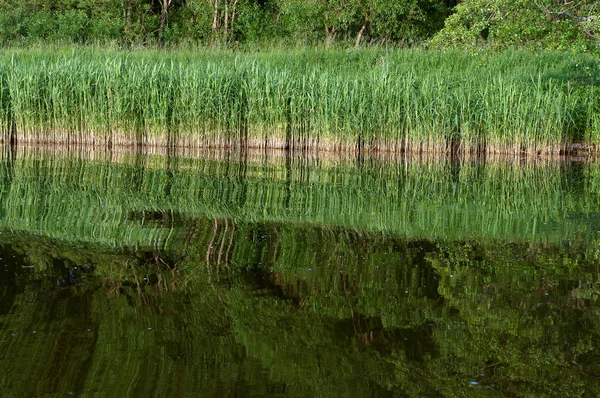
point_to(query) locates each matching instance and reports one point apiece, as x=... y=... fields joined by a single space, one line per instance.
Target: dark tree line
x=556 y=24
x=222 y=21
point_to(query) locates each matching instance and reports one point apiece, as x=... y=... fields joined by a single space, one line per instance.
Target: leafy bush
x=510 y=23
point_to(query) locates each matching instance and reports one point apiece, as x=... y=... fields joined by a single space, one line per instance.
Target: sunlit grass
x=511 y=102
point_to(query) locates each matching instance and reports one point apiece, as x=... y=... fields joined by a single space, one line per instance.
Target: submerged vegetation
x=343 y=100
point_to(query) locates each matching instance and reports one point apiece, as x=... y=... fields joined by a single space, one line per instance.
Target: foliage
x=78 y=22
x=208 y=21
x=547 y=24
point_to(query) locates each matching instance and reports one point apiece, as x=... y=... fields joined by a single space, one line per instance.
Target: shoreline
x=87 y=151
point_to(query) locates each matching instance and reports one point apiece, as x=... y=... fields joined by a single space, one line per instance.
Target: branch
x=560 y=16
x=565 y=15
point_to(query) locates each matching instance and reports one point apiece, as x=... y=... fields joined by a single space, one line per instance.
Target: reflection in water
x=77 y=200
x=267 y=278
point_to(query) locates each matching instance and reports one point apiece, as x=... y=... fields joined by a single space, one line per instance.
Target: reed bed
x=144 y=200
x=340 y=100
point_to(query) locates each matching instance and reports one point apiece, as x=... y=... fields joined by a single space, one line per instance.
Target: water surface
x=238 y=275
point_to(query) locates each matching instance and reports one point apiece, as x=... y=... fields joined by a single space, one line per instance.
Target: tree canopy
x=210 y=21
x=547 y=24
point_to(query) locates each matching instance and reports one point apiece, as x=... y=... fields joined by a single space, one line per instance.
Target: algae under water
x=151 y=275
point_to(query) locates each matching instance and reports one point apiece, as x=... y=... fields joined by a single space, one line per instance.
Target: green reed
x=327 y=99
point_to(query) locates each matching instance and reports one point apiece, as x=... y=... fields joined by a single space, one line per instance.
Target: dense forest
x=553 y=24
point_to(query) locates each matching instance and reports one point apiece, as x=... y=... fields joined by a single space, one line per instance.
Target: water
x=237 y=275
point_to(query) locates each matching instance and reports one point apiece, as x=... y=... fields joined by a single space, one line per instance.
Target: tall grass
x=399 y=100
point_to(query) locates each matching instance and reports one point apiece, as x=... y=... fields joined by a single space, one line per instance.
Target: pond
x=272 y=274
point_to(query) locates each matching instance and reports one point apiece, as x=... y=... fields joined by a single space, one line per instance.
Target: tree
x=379 y=20
x=405 y=20
x=224 y=14
x=164 y=18
x=549 y=24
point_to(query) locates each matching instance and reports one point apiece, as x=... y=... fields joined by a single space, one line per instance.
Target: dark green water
x=152 y=276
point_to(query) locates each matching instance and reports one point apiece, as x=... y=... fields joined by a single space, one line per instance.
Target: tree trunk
x=215 y=17
x=164 y=19
x=330 y=34
x=233 y=12
x=127 y=15
x=360 y=35
x=226 y=19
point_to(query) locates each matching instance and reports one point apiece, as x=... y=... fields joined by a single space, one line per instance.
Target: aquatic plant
x=401 y=100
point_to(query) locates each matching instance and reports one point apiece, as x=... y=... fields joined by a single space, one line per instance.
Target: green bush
x=518 y=23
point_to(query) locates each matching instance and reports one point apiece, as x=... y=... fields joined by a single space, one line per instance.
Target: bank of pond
x=376 y=99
